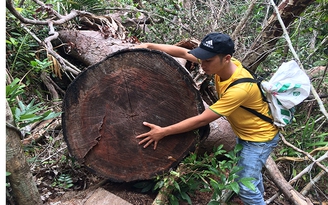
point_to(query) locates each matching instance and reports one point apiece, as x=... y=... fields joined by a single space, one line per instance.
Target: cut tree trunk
x=104 y=108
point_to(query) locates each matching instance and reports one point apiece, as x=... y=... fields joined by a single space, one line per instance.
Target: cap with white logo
x=213 y=44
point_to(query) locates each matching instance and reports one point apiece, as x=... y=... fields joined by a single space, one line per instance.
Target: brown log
x=221 y=134
x=104 y=108
x=90 y=47
x=289 y=192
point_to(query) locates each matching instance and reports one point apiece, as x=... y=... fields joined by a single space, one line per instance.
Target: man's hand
x=142 y=45
x=155 y=134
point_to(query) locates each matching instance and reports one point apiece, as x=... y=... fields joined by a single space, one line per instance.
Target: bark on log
x=104 y=108
x=221 y=133
x=21 y=179
x=90 y=47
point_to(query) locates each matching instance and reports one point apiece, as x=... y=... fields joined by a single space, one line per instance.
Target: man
x=257 y=136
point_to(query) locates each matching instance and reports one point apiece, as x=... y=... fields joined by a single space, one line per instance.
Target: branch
x=53 y=93
x=61 y=20
x=243 y=20
x=299 y=175
x=54 y=35
x=314 y=92
x=305 y=153
x=307 y=188
x=67 y=66
x=148 y=15
x=308 y=168
x=289 y=192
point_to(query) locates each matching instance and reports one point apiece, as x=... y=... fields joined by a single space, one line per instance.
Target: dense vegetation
x=168 y=22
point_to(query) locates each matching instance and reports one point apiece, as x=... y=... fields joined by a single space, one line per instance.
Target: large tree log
x=104 y=108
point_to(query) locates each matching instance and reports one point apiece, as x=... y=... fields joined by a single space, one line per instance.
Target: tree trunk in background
x=21 y=180
x=266 y=41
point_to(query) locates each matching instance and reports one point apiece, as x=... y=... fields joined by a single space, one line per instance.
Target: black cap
x=213 y=44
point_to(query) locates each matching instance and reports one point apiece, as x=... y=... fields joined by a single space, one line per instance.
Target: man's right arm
x=156 y=132
x=172 y=50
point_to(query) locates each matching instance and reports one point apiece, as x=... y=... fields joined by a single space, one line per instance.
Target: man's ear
x=227 y=57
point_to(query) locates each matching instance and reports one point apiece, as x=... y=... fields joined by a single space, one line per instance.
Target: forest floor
x=60 y=178
x=131 y=194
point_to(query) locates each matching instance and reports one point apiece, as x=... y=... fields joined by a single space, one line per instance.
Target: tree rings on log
x=105 y=105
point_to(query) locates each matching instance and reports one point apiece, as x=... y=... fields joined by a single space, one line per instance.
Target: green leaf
x=159 y=185
x=174 y=173
x=177 y=186
x=186 y=197
x=21 y=106
x=183 y=180
x=205 y=190
x=14 y=89
x=247 y=181
x=235 y=187
x=29 y=117
x=317 y=144
x=52 y=115
x=173 y=200
x=214 y=183
x=147 y=188
x=238 y=147
x=214 y=170
x=214 y=203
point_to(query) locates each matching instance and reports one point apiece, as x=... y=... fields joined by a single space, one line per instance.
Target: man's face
x=215 y=65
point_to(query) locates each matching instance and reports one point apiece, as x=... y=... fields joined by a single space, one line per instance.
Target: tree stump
x=104 y=108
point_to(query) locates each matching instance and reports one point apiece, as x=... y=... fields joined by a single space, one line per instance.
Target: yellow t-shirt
x=246 y=125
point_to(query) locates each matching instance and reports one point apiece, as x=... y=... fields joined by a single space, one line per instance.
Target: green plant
x=64 y=181
x=207 y=173
x=28 y=114
x=13 y=90
x=7 y=174
x=38 y=65
x=25 y=114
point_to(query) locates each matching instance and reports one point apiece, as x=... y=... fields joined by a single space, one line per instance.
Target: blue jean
x=253 y=158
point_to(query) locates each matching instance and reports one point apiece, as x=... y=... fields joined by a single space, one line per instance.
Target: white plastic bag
x=288 y=87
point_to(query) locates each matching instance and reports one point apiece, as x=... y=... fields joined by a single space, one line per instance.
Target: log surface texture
x=104 y=108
